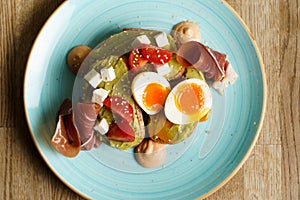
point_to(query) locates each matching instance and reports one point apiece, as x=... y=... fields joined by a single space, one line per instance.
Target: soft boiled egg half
x=189 y=101
x=150 y=91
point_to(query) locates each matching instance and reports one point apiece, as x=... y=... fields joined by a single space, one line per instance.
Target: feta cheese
x=93 y=77
x=108 y=74
x=102 y=126
x=99 y=95
x=163 y=69
x=219 y=86
x=161 y=39
x=139 y=41
x=230 y=77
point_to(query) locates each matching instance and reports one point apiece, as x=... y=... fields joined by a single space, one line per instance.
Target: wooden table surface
x=272 y=170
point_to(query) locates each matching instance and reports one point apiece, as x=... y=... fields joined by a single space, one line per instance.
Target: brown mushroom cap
x=76 y=57
x=186 y=31
x=150 y=154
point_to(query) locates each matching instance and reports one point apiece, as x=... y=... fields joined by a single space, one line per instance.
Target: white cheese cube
x=102 y=126
x=139 y=41
x=99 y=95
x=163 y=69
x=219 y=86
x=230 y=77
x=161 y=39
x=93 y=77
x=108 y=74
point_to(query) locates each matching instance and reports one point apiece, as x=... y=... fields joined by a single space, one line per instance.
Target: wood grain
x=273 y=168
x=262 y=176
x=290 y=97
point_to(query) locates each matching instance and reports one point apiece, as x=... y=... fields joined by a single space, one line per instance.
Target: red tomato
x=119 y=106
x=156 y=55
x=136 y=60
x=121 y=131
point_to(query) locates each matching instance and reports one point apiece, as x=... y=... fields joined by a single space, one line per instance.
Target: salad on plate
x=140 y=89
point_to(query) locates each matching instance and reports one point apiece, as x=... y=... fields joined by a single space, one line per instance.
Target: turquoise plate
x=221 y=145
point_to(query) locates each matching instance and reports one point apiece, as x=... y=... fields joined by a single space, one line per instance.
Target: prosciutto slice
x=93 y=141
x=85 y=115
x=74 y=130
x=66 y=139
x=193 y=54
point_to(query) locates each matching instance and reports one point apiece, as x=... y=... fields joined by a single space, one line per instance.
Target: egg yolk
x=155 y=95
x=163 y=135
x=189 y=98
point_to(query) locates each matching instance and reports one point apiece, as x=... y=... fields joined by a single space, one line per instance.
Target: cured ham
x=93 y=141
x=85 y=115
x=193 y=54
x=74 y=130
x=66 y=139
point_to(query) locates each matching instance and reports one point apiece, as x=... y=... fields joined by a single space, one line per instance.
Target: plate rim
x=241 y=163
x=26 y=111
x=264 y=103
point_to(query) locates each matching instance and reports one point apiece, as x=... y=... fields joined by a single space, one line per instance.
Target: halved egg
x=189 y=101
x=150 y=91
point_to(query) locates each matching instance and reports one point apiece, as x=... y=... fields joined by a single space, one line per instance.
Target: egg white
x=174 y=115
x=139 y=84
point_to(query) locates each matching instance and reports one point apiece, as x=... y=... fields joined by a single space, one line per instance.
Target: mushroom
x=186 y=31
x=76 y=56
x=150 y=154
